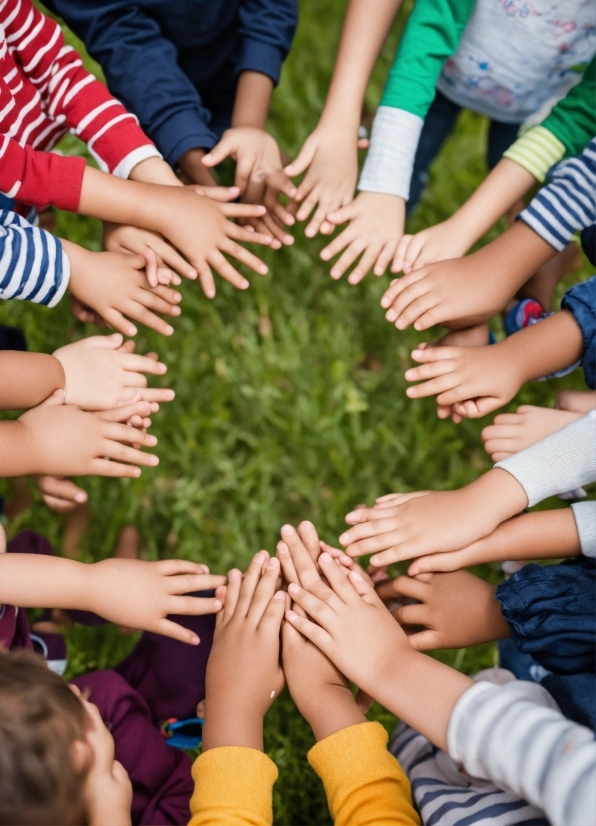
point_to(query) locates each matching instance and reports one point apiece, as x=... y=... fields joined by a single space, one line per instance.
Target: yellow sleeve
x=365 y=784
x=233 y=786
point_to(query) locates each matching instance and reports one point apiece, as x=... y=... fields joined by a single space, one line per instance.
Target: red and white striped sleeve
x=70 y=95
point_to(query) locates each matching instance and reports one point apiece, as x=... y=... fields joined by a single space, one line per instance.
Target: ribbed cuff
x=390 y=160
x=183 y=131
x=135 y=157
x=256 y=56
x=66 y=177
x=233 y=779
x=585 y=521
x=537 y=151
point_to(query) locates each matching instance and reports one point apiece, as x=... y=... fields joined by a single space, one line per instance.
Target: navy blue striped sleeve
x=33 y=265
x=568 y=204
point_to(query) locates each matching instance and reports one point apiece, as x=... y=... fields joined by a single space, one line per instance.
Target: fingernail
x=287 y=530
x=132 y=331
x=272 y=564
x=116 y=336
x=210 y=293
x=217 y=605
x=291 y=615
x=375 y=560
x=355 y=575
x=279 y=595
x=80 y=497
x=325 y=557
x=169 y=330
x=137 y=471
x=194 y=640
x=260 y=556
x=283 y=549
x=234 y=574
x=413 y=571
x=293 y=588
x=344 y=538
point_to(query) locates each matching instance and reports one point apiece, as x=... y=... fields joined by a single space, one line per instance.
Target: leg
x=437 y=125
x=160 y=775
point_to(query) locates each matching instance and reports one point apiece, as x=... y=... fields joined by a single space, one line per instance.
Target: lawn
x=289 y=405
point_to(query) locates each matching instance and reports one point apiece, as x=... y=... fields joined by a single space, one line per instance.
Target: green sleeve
x=573 y=119
x=432 y=35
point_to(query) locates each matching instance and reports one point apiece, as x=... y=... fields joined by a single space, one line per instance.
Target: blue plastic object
x=183 y=734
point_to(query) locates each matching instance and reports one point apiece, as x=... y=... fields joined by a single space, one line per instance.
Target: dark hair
x=40 y=718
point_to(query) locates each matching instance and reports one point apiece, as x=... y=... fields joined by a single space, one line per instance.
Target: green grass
x=290 y=405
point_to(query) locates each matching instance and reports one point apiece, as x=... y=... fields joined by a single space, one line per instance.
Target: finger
x=400 y=253
x=245 y=256
x=318 y=610
x=232 y=594
x=250 y=582
x=365 y=265
x=151 y=268
x=195 y=606
x=313 y=632
x=123 y=453
x=338 y=244
x=274 y=612
x=244 y=167
x=342 y=215
x=149 y=319
x=279 y=182
x=434 y=354
x=412 y=614
x=305 y=567
x=220 y=151
x=384 y=259
x=310 y=539
x=266 y=588
x=61 y=489
x=116 y=320
x=221 y=194
x=393 y=296
x=276 y=231
x=142 y=364
x=316 y=221
x=452 y=561
x=115 y=470
x=338 y=580
x=227 y=271
x=398 y=498
x=288 y=568
x=187 y=583
x=405 y=586
x=168 y=628
x=242 y=211
x=206 y=279
x=347 y=258
x=172 y=258
x=412 y=313
x=427 y=640
x=122 y=414
x=309 y=203
x=447 y=388
x=301 y=163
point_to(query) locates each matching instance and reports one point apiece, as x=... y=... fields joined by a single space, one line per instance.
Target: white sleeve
x=516 y=736
x=564 y=461
x=585 y=522
x=390 y=160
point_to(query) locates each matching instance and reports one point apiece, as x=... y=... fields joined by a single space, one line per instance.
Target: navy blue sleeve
x=142 y=71
x=581 y=301
x=265 y=32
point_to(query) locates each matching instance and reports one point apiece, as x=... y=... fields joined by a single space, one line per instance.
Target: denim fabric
x=575 y=695
x=581 y=301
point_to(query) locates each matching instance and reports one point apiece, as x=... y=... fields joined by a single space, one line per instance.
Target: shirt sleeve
x=431 y=36
x=233 y=785
x=572 y=119
x=515 y=736
x=266 y=30
x=585 y=522
x=563 y=461
x=33 y=265
x=135 y=57
x=364 y=783
x=537 y=150
x=71 y=94
x=581 y=301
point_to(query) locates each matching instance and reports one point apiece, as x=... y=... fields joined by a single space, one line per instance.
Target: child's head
x=42 y=723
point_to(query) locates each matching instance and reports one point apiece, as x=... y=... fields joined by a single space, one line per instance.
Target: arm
x=28 y=379
x=572 y=119
x=584 y=514
x=563 y=461
x=253 y=96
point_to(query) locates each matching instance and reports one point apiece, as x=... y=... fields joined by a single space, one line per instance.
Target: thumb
x=112 y=342
x=340 y=216
x=223 y=194
x=55 y=400
x=226 y=146
x=303 y=161
x=137 y=261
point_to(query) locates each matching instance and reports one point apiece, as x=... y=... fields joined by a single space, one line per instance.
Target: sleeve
x=266 y=31
x=364 y=783
x=585 y=522
x=572 y=119
x=566 y=205
x=73 y=96
x=515 y=736
x=33 y=265
x=432 y=35
x=537 y=151
x=581 y=301
x=564 y=461
x=136 y=58
x=233 y=785
x=40 y=178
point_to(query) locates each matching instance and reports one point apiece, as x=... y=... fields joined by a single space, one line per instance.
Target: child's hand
x=100 y=375
x=259 y=177
x=114 y=286
x=159 y=255
x=376 y=223
x=436 y=522
x=108 y=790
x=458 y=610
x=474 y=381
x=438 y=243
x=140 y=595
x=244 y=675
x=60 y=494
x=61 y=440
x=329 y=183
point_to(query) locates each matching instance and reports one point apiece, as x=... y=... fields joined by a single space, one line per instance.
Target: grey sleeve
x=516 y=736
x=585 y=521
x=561 y=462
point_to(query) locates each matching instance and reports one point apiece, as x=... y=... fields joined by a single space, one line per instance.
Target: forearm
x=330 y=711
x=16 y=455
x=362 y=38
x=253 y=96
x=229 y=724
x=34 y=581
x=496 y=494
x=503 y=187
x=552 y=344
x=28 y=379
x=540 y=535
x=154 y=171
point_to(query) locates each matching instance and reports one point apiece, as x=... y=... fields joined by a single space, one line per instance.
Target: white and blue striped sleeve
x=568 y=204
x=33 y=264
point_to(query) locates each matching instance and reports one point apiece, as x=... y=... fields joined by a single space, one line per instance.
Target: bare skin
x=511 y=432
x=576 y=400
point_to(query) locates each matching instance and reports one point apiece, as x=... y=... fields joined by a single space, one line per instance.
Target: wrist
x=154 y=171
x=496 y=496
x=100 y=813
x=329 y=710
x=229 y=723
x=17 y=453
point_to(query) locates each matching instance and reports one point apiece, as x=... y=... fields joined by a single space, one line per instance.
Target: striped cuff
x=135 y=157
x=537 y=150
x=390 y=160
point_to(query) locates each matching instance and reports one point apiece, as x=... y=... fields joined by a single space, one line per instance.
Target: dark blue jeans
x=438 y=124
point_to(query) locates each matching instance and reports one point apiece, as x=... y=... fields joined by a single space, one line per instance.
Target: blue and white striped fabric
x=33 y=265
x=446 y=796
x=568 y=204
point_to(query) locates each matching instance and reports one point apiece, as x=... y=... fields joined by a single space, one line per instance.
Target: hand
x=60 y=494
x=329 y=183
x=159 y=255
x=100 y=374
x=108 y=791
x=376 y=223
x=114 y=286
x=474 y=381
x=259 y=177
x=458 y=610
x=321 y=693
x=436 y=522
x=438 y=243
x=244 y=674
x=62 y=440
x=140 y=595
